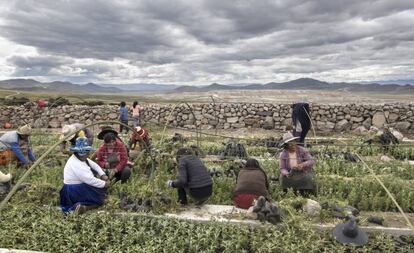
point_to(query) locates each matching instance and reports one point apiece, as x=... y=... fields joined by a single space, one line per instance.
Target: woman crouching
x=82 y=191
x=251 y=184
x=296 y=167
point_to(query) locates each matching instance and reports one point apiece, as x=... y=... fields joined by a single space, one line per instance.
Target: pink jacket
x=302 y=155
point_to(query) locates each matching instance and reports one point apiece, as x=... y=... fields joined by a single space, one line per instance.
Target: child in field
x=136 y=110
x=140 y=135
x=123 y=117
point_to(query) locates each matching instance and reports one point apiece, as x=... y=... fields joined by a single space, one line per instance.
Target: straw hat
x=288 y=137
x=66 y=129
x=350 y=233
x=24 y=130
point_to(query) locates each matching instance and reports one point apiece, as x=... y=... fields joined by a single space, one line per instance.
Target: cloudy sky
x=200 y=42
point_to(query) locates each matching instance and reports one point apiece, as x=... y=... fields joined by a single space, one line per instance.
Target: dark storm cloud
x=211 y=39
x=99 y=29
x=44 y=61
x=36 y=65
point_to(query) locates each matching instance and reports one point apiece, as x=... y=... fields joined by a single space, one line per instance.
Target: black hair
x=108 y=137
x=135 y=104
x=252 y=163
x=123 y=104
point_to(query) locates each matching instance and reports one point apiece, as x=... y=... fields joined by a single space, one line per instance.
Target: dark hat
x=350 y=233
x=105 y=130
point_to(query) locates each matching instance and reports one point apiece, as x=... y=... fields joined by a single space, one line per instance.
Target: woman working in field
x=82 y=191
x=75 y=129
x=112 y=155
x=251 y=183
x=15 y=147
x=193 y=178
x=296 y=167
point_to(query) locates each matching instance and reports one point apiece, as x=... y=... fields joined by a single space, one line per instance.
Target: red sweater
x=103 y=153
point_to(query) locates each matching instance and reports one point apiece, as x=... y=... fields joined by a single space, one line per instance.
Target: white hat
x=288 y=137
x=66 y=129
x=138 y=128
x=5 y=178
x=24 y=130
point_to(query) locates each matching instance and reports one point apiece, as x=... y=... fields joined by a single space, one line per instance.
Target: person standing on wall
x=301 y=122
x=123 y=117
x=135 y=110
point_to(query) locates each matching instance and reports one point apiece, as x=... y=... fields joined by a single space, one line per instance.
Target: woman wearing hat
x=140 y=135
x=14 y=146
x=112 y=155
x=74 y=129
x=251 y=184
x=296 y=166
x=4 y=184
x=82 y=190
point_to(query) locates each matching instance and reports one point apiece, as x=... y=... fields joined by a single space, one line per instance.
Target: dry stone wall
x=326 y=117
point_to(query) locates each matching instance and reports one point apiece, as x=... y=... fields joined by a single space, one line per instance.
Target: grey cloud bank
x=198 y=42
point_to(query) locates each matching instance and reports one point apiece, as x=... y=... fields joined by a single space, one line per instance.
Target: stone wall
x=340 y=118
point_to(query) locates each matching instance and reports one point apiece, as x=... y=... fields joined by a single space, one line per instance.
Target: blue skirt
x=72 y=195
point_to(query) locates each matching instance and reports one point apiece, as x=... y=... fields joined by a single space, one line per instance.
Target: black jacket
x=192 y=173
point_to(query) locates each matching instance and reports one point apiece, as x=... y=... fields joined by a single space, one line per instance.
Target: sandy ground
x=286 y=96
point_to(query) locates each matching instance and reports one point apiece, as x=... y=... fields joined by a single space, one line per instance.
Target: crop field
x=32 y=220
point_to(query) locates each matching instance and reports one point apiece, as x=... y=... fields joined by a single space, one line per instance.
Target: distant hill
x=304 y=84
x=57 y=86
x=142 y=86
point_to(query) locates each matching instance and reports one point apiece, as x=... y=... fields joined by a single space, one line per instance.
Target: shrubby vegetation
x=31 y=221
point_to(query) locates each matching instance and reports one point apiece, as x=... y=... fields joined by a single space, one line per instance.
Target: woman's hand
x=112 y=173
x=299 y=166
x=104 y=178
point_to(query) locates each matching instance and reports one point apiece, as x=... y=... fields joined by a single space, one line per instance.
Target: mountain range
x=57 y=86
x=304 y=84
x=298 y=84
